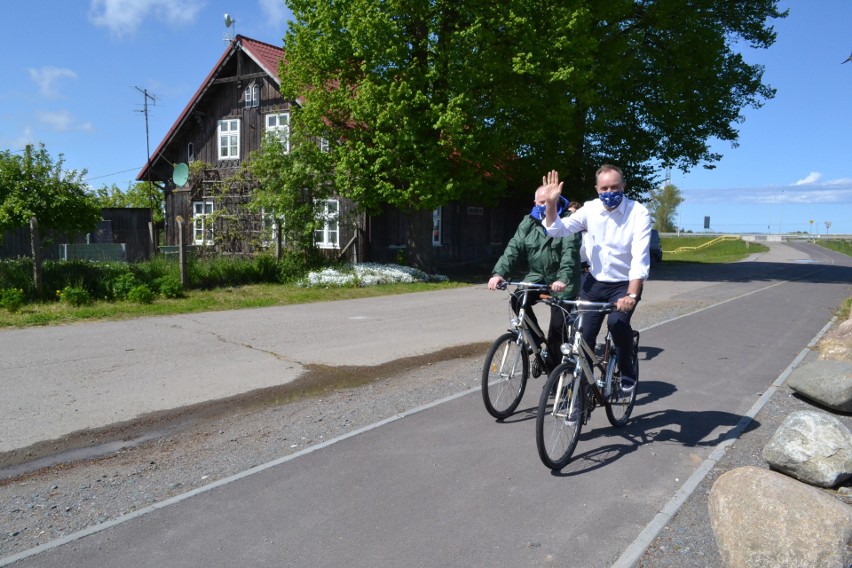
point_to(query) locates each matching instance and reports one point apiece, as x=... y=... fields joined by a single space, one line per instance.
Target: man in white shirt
x=617 y=239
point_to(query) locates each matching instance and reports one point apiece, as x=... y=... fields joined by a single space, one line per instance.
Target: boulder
x=814 y=447
x=844 y=329
x=761 y=518
x=835 y=348
x=828 y=383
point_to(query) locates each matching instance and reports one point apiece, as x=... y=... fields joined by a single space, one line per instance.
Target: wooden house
x=237 y=104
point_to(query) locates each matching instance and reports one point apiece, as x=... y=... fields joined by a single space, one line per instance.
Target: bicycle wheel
x=619 y=405
x=504 y=375
x=556 y=434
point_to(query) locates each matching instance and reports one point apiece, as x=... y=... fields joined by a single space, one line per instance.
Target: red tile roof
x=264 y=54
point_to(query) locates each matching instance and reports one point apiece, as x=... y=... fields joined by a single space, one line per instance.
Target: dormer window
x=252 y=96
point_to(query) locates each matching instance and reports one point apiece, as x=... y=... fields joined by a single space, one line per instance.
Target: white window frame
x=325 y=147
x=278 y=124
x=251 y=97
x=202 y=230
x=328 y=237
x=437 y=227
x=228 y=137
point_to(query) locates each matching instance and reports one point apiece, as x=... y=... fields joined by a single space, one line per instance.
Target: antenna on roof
x=230 y=23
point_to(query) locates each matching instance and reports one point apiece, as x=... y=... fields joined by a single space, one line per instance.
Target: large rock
x=844 y=329
x=813 y=447
x=833 y=348
x=761 y=518
x=828 y=383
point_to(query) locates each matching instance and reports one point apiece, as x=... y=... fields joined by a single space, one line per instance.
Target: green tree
x=290 y=183
x=35 y=190
x=663 y=205
x=141 y=194
x=442 y=100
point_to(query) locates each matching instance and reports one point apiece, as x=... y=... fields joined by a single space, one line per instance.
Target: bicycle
x=572 y=392
x=507 y=363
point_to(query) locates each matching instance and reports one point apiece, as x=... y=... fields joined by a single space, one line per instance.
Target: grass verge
x=843 y=247
x=231 y=298
x=721 y=252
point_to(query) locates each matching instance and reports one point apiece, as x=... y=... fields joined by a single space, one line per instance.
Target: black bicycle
x=572 y=392
x=507 y=364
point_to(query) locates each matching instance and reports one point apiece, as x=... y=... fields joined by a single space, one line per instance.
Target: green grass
x=234 y=298
x=844 y=247
x=721 y=252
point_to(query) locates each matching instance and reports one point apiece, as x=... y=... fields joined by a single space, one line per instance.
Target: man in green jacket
x=548 y=261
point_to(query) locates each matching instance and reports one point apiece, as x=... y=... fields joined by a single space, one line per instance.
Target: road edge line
x=631 y=556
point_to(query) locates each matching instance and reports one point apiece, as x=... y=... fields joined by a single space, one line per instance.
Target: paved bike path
x=450 y=486
x=63 y=379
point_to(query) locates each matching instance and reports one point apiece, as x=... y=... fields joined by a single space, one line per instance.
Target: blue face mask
x=539 y=211
x=611 y=199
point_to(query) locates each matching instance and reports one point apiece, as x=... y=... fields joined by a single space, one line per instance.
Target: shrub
x=267 y=268
x=169 y=287
x=294 y=265
x=74 y=296
x=141 y=294
x=123 y=284
x=18 y=273
x=12 y=299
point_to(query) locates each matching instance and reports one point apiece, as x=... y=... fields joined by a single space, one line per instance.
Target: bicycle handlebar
x=530 y=285
x=588 y=306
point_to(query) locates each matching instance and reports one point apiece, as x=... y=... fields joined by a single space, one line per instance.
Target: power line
x=112 y=174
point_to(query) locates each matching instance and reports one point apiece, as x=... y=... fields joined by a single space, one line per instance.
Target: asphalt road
x=448 y=485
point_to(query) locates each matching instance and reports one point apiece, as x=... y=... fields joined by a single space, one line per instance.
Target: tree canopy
x=439 y=100
x=33 y=185
x=663 y=204
x=290 y=183
x=141 y=194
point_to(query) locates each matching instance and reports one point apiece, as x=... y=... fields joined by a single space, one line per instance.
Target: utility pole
x=146 y=95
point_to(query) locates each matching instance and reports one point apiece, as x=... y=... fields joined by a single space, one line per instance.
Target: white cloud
x=46 y=78
x=62 y=121
x=123 y=17
x=274 y=11
x=812 y=177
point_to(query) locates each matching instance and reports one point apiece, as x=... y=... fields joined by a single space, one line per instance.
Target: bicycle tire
x=504 y=375
x=619 y=406
x=555 y=437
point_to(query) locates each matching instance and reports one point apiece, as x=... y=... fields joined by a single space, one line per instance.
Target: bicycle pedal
x=537 y=368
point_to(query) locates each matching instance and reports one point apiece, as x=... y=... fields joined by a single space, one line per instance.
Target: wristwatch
x=634 y=296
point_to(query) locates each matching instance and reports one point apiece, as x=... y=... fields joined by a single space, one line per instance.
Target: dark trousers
x=556 y=333
x=617 y=322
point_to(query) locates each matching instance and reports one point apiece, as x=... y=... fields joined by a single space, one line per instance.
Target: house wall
x=470 y=233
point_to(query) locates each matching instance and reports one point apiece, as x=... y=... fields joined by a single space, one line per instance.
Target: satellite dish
x=180 y=175
x=229 y=21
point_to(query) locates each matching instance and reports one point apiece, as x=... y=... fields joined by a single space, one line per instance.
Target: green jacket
x=546 y=259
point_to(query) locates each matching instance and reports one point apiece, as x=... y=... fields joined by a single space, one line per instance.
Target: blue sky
x=71 y=77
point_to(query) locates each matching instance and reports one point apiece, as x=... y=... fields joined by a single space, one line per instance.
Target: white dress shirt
x=616 y=242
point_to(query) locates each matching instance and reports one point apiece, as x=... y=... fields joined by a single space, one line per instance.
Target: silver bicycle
x=507 y=365
x=572 y=391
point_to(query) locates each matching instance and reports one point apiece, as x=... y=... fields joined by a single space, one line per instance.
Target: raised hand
x=552 y=186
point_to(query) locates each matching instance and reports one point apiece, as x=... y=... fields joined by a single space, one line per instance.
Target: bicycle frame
x=529 y=328
x=584 y=355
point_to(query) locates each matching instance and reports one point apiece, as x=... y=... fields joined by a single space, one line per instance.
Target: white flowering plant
x=368 y=274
